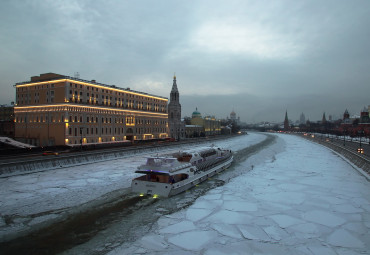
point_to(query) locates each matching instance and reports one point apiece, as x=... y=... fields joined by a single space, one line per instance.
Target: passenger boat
x=172 y=174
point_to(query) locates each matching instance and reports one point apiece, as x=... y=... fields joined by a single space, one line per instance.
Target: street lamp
x=360 y=150
x=344 y=137
x=81 y=128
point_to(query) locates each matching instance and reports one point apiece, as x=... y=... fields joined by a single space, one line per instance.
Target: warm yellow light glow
x=92 y=85
x=139 y=113
x=67 y=141
x=99 y=139
x=155 y=196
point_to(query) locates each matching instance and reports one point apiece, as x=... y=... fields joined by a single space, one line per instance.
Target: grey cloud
x=140 y=43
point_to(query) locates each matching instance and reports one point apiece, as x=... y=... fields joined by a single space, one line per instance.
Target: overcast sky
x=259 y=58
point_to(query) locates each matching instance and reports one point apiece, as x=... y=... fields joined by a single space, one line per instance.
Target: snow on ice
x=57 y=191
x=305 y=201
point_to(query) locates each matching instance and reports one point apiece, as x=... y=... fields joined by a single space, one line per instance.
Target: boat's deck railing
x=209 y=164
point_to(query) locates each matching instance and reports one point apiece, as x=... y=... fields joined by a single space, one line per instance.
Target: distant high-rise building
x=176 y=126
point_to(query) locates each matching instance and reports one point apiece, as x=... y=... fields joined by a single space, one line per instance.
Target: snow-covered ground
x=12 y=142
x=305 y=200
x=31 y=199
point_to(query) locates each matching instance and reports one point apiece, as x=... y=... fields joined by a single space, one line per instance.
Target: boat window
x=160 y=161
x=184 y=157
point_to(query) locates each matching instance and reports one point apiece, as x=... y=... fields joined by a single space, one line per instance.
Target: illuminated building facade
x=210 y=125
x=54 y=109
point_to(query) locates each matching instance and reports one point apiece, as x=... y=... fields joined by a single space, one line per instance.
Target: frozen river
x=293 y=197
x=304 y=200
x=299 y=198
x=31 y=201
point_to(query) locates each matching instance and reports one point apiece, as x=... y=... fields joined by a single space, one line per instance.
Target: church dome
x=196 y=113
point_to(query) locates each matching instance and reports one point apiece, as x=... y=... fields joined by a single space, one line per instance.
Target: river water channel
x=123 y=217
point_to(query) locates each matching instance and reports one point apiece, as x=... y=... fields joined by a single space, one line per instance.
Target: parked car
x=46 y=153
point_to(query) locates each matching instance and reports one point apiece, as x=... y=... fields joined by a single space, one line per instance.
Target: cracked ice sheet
x=56 y=190
x=193 y=240
x=291 y=218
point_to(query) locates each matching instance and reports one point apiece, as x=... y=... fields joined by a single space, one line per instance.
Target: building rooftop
x=54 y=76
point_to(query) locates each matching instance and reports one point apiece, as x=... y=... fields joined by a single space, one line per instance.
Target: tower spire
x=174 y=85
x=175 y=125
x=286 y=121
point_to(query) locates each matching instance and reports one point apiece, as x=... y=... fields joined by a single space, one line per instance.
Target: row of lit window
x=79 y=131
x=128 y=104
x=108 y=91
x=36 y=87
x=90 y=119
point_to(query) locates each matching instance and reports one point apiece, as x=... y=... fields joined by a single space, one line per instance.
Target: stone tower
x=286 y=122
x=176 y=126
x=323 y=121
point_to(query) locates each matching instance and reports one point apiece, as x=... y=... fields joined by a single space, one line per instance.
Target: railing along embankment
x=358 y=159
x=37 y=164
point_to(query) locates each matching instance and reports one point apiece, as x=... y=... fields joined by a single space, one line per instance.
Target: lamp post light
x=360 y=150
x=81 y=129
x=344 y=138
